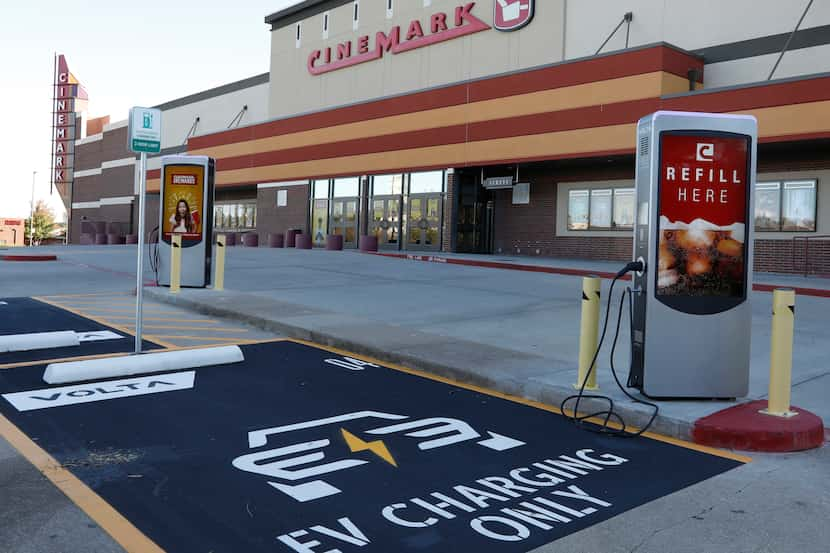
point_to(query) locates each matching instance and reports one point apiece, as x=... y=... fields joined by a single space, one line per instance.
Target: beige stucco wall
x=562 y=29
x=486 y=53
x=693 y=25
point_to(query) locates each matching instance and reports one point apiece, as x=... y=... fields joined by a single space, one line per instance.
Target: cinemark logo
x=184 y=179
x=440 y=28
x=705 y=152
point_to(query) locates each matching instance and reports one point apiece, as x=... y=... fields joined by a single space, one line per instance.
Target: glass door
x=344 y=220
x=386 y=222
x=424 y=222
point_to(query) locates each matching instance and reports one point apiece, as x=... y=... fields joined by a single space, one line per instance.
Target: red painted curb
x=29 y=257
x=743 y=427
x=801 y=291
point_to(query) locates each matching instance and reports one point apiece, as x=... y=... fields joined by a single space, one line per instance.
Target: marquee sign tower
x=69 y=97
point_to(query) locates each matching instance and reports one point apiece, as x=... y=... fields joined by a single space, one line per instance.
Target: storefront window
x=234 y=216
x=788 y=206
x=798 y=210
x=578 y=210
x=768 y=206
x=347 y=188
x=425 y=183
x=319 y=221
x=387 y=185
x=601 y=209
x=321 y=189
x=624 y=208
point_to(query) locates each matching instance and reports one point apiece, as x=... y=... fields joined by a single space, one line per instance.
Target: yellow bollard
x=175 y=263
x=589 y=332
x=219 y=275
x=781 y=354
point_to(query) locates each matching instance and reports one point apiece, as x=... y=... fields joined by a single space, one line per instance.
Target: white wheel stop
x=38 y=340
x=96 y=369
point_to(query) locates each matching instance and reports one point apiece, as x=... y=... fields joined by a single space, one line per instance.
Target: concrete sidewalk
x=511 y=331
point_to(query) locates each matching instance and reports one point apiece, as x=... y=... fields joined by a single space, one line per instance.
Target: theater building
x=508 y=126
x=104 y=195
x=12 y=232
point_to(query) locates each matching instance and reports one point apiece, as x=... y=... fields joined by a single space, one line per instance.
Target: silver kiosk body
x=186 y=208
x=691 y=320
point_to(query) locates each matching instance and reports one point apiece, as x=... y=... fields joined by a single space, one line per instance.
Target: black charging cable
x=153 y=253
x=609 y=414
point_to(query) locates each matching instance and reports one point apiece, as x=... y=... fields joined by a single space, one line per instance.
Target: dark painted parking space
x=27 y=315
x=303 y=449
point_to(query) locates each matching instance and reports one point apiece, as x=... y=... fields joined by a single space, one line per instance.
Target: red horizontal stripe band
x=556 y=121
x=578 y=72
x=753 y=97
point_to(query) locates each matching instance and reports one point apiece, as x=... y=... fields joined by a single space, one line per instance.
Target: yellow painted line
x=524 y=401
x=103 y=303
x=112 y=294
x=182 y=327
x=206 y=321
x=108 y=310
x=209 y=339
x=96 y=319
x=63 y=360
x=113 y=522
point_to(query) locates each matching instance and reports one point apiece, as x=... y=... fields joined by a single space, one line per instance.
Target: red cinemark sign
x=440 y=28
x=704 y=177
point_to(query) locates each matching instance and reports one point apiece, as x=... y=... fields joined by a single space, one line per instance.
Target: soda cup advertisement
x=703 y=212
x=183 y=201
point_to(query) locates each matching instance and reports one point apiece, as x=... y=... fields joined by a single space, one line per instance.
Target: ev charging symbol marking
x=295 y=469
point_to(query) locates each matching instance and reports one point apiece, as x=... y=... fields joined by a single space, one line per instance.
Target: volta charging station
x=186 y=211
x=186 y=224
x=691 y=315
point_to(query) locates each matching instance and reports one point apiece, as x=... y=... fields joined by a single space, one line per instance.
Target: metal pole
x=789 y=40
x=32 y=214
x=139 y=277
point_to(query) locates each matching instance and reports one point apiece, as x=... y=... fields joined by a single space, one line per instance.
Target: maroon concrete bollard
x=100 y=239
x=132 y=239
x=291 y=237
x=303 y=241
x=334 y=242
x=230 y=238
x=250 y=240
x=114 y=239
x=87 y=238
x=276 y=240
x=368 y=243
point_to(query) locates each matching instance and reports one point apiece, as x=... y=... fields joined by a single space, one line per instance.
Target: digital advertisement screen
x=183 y=201
x=702 y=217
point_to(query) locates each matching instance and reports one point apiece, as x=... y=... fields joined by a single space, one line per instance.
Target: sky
x=125 y=54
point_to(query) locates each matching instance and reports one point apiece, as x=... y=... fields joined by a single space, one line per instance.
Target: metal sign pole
x=139 y=277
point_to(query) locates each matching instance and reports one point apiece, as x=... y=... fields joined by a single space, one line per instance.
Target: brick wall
x=277 y=220
x=531 y=230
x=810 y=256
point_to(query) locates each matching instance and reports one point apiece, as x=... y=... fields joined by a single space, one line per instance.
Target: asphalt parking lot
x=686 y=501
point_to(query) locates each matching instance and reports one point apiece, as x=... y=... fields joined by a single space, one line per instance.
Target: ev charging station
x=691 y=320
x=186 y=209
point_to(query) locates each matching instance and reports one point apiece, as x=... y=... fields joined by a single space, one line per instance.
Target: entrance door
x=476 y=216
x=344 y=220
x=386 y=222
x=424 y=222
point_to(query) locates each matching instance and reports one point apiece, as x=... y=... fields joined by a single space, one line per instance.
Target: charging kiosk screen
x=183 y=201
x=702 y=212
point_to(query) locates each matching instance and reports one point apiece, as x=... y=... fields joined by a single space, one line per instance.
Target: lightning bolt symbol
x=377 y=447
